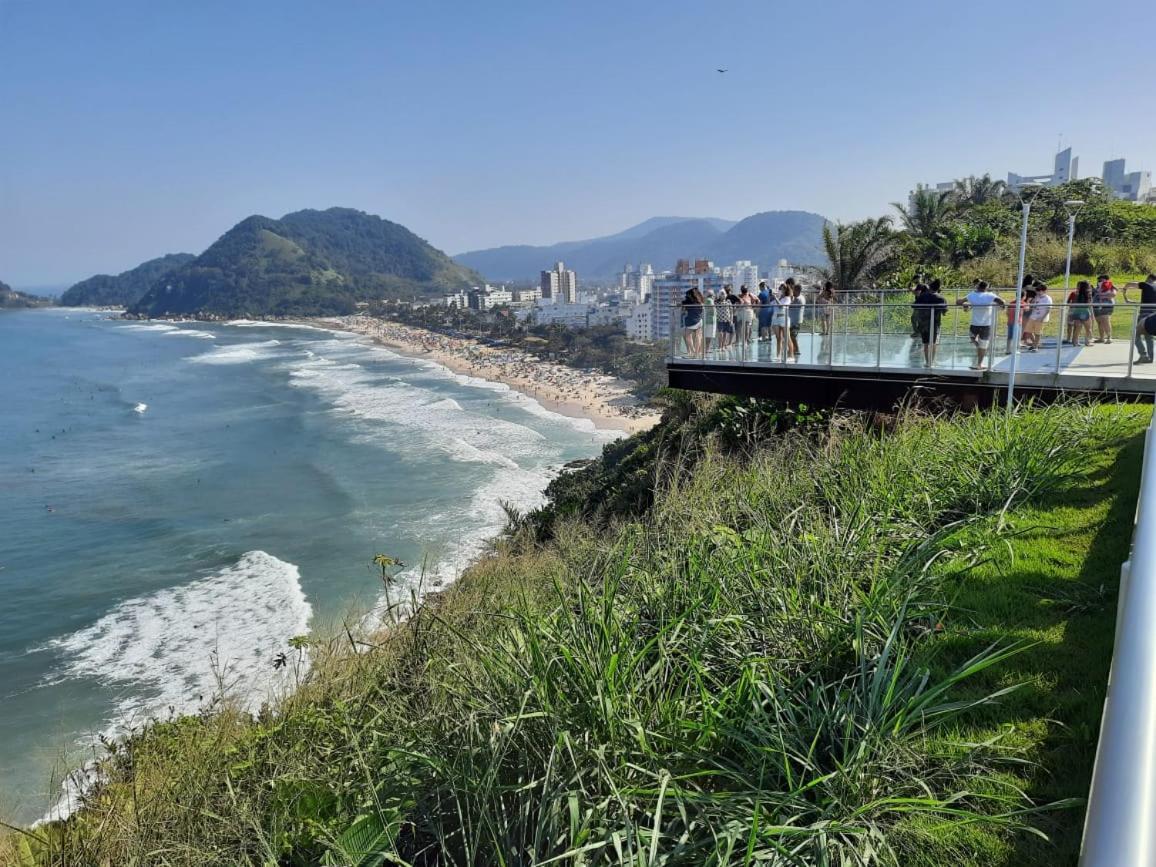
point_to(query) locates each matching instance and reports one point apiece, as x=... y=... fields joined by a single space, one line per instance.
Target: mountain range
x=124 y=289
x=304 y=264
x=763 y=238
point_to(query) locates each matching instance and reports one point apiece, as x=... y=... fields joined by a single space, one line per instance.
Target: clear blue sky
x=131 y=128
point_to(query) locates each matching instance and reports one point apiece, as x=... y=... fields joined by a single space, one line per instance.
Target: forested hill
x=10 y=298
x=306 y=263
x=124 y=289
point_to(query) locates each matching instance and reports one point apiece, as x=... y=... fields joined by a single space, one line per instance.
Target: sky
x=133 y=128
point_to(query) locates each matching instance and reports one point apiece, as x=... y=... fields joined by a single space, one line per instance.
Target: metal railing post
x=879 y=339
x=1132 y=340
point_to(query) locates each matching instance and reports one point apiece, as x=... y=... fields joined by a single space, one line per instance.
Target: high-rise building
x=1066 y=168
x=560 y=285
x=1131 y=186
x=742 y=273
x=638 y=280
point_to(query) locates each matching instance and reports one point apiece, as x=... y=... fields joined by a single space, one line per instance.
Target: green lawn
x=1053 y=586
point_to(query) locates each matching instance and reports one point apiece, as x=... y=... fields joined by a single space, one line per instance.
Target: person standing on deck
x=928 y=310
x=795 y=315
x=1143 y=339
x=1103 y=304
x=981 y=302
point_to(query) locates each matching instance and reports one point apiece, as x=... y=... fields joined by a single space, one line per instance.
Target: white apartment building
x=1130 y=186
x=559 y=285
x=742 y=273
x=637 y=322
x=527 y=295
x=638 y=279
x=572 y=315
x=456 y=299
x=489 y=297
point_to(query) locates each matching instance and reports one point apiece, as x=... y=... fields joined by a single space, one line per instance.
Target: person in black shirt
x=927 y=313
x=1143 y=338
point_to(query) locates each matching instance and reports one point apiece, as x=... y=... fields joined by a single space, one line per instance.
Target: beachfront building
x=1130 y=186
x=488 y=297
x=456 y=299
x=637 y=323
x=527 y=295
x=1066 y=168
x=570 y=315
x=559 y=285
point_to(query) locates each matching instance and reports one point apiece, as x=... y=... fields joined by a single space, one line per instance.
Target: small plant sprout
x=386 y=563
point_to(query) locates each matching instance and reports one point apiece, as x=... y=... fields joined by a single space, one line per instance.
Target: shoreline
x=601 y=399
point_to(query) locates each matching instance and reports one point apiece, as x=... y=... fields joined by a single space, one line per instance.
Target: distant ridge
x=306 y=263
x=124 y=289
x=11 y=299
x=764 y=238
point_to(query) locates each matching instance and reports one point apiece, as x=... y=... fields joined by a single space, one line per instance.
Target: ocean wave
x=395 y=410
x=156 y=327
x=238 y=354
x=172 y=651
x=191 y=332
x=175 y=647
x=257 y=323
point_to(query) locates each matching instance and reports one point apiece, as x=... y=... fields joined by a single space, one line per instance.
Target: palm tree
x=978 y=191
x=926 y=213
x=856 y=250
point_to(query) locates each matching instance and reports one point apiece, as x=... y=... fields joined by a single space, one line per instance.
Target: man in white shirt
x=982 y=303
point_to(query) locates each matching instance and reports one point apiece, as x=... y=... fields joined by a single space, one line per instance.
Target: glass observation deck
x=1066 y=349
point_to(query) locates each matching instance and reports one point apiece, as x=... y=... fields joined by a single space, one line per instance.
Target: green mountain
x=307 y=263
x=126 y=288
x=10 y=299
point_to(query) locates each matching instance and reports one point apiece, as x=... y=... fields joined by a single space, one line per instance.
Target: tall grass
x=743 y=675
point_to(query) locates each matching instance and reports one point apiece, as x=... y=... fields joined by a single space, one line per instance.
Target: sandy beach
x=605 y=400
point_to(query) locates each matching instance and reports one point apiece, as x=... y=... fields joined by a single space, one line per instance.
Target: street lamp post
x=1073 y=207
x=1017 y=328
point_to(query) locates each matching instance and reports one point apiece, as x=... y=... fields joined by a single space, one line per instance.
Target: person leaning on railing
x=982 y=302
x=1144 y=338
x=692 y=322
x=826 y=303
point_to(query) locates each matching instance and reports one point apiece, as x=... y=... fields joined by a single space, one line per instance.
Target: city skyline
x=142 y=130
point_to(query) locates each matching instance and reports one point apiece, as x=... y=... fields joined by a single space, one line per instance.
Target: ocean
x=179 y=500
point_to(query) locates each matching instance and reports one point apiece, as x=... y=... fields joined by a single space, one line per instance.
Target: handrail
x=1120 y=826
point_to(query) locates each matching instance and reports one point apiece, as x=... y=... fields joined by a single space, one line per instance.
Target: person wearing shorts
x=1103 y=305
x=927 y=312
x=724 y=305
x=1038 y=316
x=795 y=317
x=981 y=302
x=709 y=321
x=692 y=323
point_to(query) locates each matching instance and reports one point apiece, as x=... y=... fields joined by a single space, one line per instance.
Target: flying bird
x=720 y=70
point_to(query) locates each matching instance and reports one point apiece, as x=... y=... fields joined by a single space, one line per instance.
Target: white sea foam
x=140 y=408
x=392 y=409
x=158 y=327
x=175 y=646
x=238 y=353
x=191 y=332
x=174 y=650
x=257 y=323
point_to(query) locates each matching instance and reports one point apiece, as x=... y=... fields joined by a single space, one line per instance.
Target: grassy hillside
x=743 y=637
x=306 y=263
x=124 y=289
